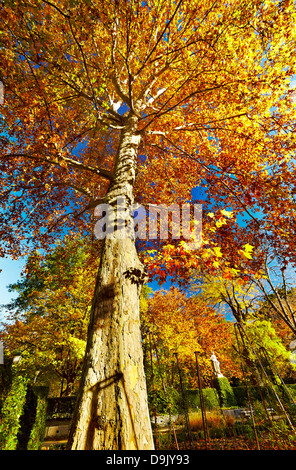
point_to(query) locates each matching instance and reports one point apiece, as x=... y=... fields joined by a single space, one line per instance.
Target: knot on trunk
x=136 y=275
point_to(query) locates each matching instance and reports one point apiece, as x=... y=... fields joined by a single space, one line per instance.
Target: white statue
x=216 y=365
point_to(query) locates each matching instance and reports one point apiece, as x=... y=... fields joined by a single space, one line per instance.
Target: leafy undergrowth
x=231 y=443
x=224 y=433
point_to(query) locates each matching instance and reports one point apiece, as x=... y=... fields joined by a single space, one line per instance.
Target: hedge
x=12 y=411
x=236 y=396
x=38 y=430
x=225 y=392
x=23 y=416
x=210 y=396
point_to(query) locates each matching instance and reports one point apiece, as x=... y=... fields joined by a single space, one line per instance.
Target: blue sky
x=11 y=270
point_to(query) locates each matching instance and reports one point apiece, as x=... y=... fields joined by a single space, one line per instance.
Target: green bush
x=255 y=393
x=38 y=430
x=210 y=396
x=224 y=395
x=165 y=403
x=192 y=398
x=292 y=390
x=23 y=416
x=12 y=411
x=225 y=392
x=240 y=396
x=267 y=393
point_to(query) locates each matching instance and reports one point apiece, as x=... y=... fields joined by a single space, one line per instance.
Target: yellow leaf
x=248 y=247
x=227 y=213
x=217 y=251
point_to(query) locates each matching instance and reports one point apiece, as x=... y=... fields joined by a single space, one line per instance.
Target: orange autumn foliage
x=209 y=83
x=183 y=325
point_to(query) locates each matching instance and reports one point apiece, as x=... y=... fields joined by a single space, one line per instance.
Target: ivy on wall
x=38 y=431
x=11 y=413
x=23 y=416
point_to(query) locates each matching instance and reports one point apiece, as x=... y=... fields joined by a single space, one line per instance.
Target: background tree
x=175 y=323
x=202 y=90
x=243 y=299
x=229 y=294
x=278 y=292
x=48 y=320
x=262 y=335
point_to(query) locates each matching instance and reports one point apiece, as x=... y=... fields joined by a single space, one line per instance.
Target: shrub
x=23 y=416
x=11 y=412
x=240 y=396
x=210 y=396
x=163 y=403
x=38 y=430
x=225 y=391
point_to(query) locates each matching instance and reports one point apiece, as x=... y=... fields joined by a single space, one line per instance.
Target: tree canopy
x=210 y=85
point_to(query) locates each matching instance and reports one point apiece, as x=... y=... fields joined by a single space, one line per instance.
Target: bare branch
x=280 y=308
x=160 y=37
x=65 y=15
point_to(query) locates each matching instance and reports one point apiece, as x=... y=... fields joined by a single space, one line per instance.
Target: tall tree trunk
x=112 y=409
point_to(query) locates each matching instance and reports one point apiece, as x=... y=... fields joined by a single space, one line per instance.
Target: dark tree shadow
x=27 y=420
x=100 y=422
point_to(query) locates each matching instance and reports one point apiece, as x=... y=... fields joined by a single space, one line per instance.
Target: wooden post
x=247 y=390
x=184 y=402
x=166 y=395
x=202 y=404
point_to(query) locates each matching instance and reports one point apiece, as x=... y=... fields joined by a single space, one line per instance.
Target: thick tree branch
x=159 y=112
x=69 y=161
x=115 y=76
